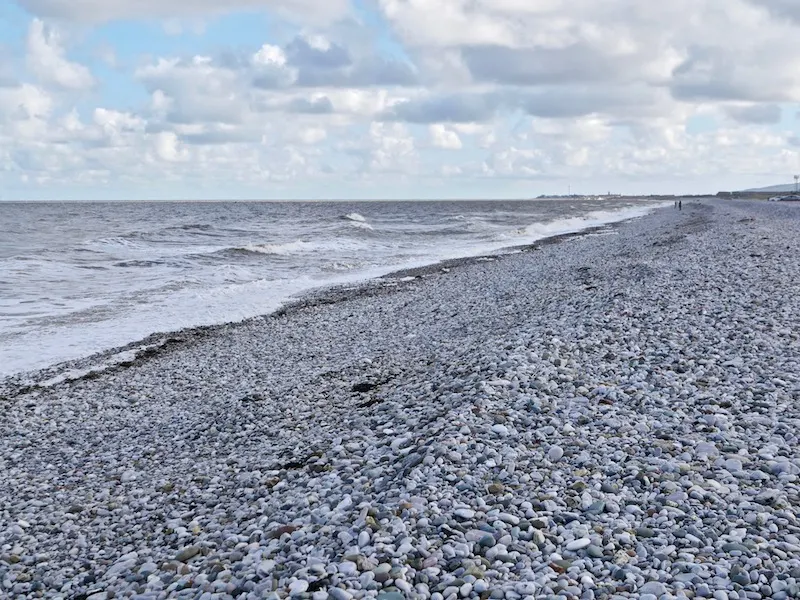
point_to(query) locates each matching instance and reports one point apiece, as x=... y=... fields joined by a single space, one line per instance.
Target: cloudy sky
x=395 y=98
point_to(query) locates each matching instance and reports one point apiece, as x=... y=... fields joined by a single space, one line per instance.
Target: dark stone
x=254 y=397
x=619 y=574
x=277 y=533
x=317 y=585
x=363 y=387
x=645 y=532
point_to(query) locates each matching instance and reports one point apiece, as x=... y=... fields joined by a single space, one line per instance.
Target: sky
x=335 y=99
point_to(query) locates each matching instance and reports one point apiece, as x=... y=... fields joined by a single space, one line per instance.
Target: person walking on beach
x=680 y=204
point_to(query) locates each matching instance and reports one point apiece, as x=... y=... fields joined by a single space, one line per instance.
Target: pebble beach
x=610 y=415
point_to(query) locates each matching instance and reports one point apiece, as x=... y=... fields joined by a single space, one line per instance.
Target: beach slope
x=611 y=414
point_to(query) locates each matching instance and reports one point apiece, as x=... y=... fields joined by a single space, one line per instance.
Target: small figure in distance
x=680 y=204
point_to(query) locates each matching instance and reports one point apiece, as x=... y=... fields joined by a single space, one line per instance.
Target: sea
x=77 y=278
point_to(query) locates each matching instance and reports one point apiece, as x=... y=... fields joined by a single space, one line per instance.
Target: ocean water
x=78 y=278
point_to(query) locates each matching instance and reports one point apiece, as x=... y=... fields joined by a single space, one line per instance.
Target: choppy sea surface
x=80 y=277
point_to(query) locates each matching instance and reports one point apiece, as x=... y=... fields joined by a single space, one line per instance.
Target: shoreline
x=159 y=299
x=132 y=353
x=612 y=417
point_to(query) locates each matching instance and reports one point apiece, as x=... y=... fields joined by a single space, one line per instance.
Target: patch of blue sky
x=246 y=31
x=619 y=135
x=374 y=21
x=699 y=124
x=14 y=25
x=789 y=117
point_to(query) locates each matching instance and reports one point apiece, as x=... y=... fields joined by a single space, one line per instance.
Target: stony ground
x=611 y=416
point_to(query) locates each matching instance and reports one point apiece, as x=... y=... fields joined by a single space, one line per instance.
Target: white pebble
x=555 y=453
x=578 y=544
x=298 y=587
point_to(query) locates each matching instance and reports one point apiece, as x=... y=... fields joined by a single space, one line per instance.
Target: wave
x=126 y=250
x=306 y=249
x=469 y=224
x=360 y=225
x=597 y=218
x=357 y=221
x=284 y=249
x=281 y=249
x=340 y=266
x=139 y=263
x=114 y=242
x=147 y=240
x=191 y=227
x=466 y=226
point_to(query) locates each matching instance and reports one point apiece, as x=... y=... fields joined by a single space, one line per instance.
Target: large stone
x=579 y=544
x=187 y=553
x=656 y=588
x=555 y=453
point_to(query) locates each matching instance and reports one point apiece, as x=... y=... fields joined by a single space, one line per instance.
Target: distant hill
x=789 y=187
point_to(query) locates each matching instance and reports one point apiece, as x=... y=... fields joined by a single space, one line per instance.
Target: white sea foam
x=357 y=220
x=282 y=249
x=537 y=231
x=361 y=225
x=113 y=242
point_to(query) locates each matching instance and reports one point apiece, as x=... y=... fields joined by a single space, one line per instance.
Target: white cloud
x=311 y=135
x=269 y=55
x=699 y=49
x=118 y=128
x=195 y=90
x=168 y=147
x=47 y=61
x=96 y=11
x=392 y=148
x=7 y=76
x=25 y=102
x=441 y=137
